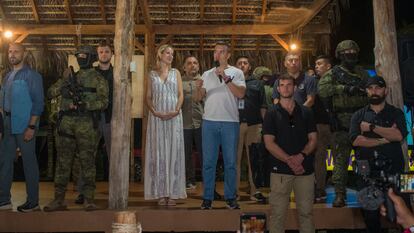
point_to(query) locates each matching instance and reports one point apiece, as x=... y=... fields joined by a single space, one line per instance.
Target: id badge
x=241 y=103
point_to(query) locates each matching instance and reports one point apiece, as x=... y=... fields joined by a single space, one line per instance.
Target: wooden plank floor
x=184 y=217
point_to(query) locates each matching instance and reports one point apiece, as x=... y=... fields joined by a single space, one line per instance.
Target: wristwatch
x=371 y=127
x=31 y=127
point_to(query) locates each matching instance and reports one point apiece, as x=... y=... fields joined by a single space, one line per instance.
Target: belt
x=7 y=113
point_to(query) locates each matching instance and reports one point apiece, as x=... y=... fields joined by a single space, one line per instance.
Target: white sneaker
x=6 y=206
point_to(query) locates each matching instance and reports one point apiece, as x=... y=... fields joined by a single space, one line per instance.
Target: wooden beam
x=233 y=43
x=314 y=9
x=103 y=12
x=165 y=40
x=143 y=4
x=234 y=11
x=264 y=6
x=68 y=11
x=177 y=29
x=121 y=117
x=2 y=14
x=169 y=12
x=34 y=9
x=21 y=38
x=139 y=46
x=202 y=5
x=280 y=41
x=201 y=49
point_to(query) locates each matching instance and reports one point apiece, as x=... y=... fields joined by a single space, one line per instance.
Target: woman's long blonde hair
x=160 y=50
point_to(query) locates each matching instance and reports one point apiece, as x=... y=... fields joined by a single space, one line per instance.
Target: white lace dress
x=164 y=148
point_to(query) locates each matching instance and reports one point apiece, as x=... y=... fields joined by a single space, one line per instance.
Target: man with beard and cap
x=378 y=129
x=84 y=96
x=22 y=103
x=342 y=92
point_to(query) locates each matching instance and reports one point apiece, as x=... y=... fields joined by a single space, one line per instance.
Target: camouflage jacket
x=342 y=104
x=89 y=79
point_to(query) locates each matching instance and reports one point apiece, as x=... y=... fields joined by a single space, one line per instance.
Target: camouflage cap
x=344 y=45
x=260 y=71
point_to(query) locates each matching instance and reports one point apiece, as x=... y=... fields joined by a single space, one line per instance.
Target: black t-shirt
x=254 y=101
x=109 y=77
x=389 y=116
x=291 y=134
x=1 y=124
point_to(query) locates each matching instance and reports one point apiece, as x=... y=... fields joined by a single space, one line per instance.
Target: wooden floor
x=184 y=217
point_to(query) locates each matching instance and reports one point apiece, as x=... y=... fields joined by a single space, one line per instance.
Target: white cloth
x=220 y=103
x=164 y=153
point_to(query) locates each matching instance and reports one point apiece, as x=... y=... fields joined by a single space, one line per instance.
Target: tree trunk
x=386 y=56
x=121 y=112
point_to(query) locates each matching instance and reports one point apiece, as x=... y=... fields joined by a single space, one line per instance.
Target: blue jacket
x=27 y=98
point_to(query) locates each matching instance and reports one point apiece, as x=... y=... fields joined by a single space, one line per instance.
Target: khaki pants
x=324 y=139
x=281 y=186
x=248 y=135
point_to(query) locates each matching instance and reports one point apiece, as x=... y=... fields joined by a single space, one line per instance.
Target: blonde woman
x=164 y=154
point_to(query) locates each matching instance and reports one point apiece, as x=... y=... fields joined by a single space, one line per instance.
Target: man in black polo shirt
x=252 y=109
x=290 y=136
x=378 y=128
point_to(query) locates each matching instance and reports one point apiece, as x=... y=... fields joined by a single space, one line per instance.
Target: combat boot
x=57 y=204
x=89 y=205
x=339 y=200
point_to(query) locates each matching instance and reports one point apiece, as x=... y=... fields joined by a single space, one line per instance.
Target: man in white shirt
x=222 y=87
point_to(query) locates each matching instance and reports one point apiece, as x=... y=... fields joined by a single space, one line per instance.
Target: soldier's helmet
x=344 y=45
x=260 y=71
x=89 y=59
x=86 y=49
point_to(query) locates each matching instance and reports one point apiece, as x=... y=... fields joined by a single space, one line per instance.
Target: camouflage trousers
x=341 y=152
x=76 y=137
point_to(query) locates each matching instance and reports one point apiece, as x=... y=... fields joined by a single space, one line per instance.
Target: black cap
x=376 y=80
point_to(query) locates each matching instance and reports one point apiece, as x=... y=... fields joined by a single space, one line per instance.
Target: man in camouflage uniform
x=342 y=92
x=83 y=98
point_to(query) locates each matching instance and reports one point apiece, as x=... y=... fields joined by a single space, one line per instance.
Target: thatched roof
x=64 y=24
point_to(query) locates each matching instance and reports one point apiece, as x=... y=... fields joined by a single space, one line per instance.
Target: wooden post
x=121 y=114
x=125 y=222
x=148 y=63
x=386 y=56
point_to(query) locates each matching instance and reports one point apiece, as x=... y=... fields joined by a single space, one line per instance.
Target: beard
x=286 y=96
x=376 y=99
x=105 y=62
x=15 y=61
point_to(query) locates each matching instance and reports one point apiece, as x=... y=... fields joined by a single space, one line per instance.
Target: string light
x=8 y=34
x=293 y=46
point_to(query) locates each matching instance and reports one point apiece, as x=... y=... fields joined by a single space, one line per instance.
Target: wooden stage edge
x=185 y=217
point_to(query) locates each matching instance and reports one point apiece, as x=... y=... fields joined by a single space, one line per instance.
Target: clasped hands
x=295 y=163
x=166 y=115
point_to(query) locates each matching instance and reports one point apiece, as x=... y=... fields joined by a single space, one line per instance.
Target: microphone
x=217 y=64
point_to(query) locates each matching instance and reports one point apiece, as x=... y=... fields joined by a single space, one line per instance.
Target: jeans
x=214 y=134
x=8 y=146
